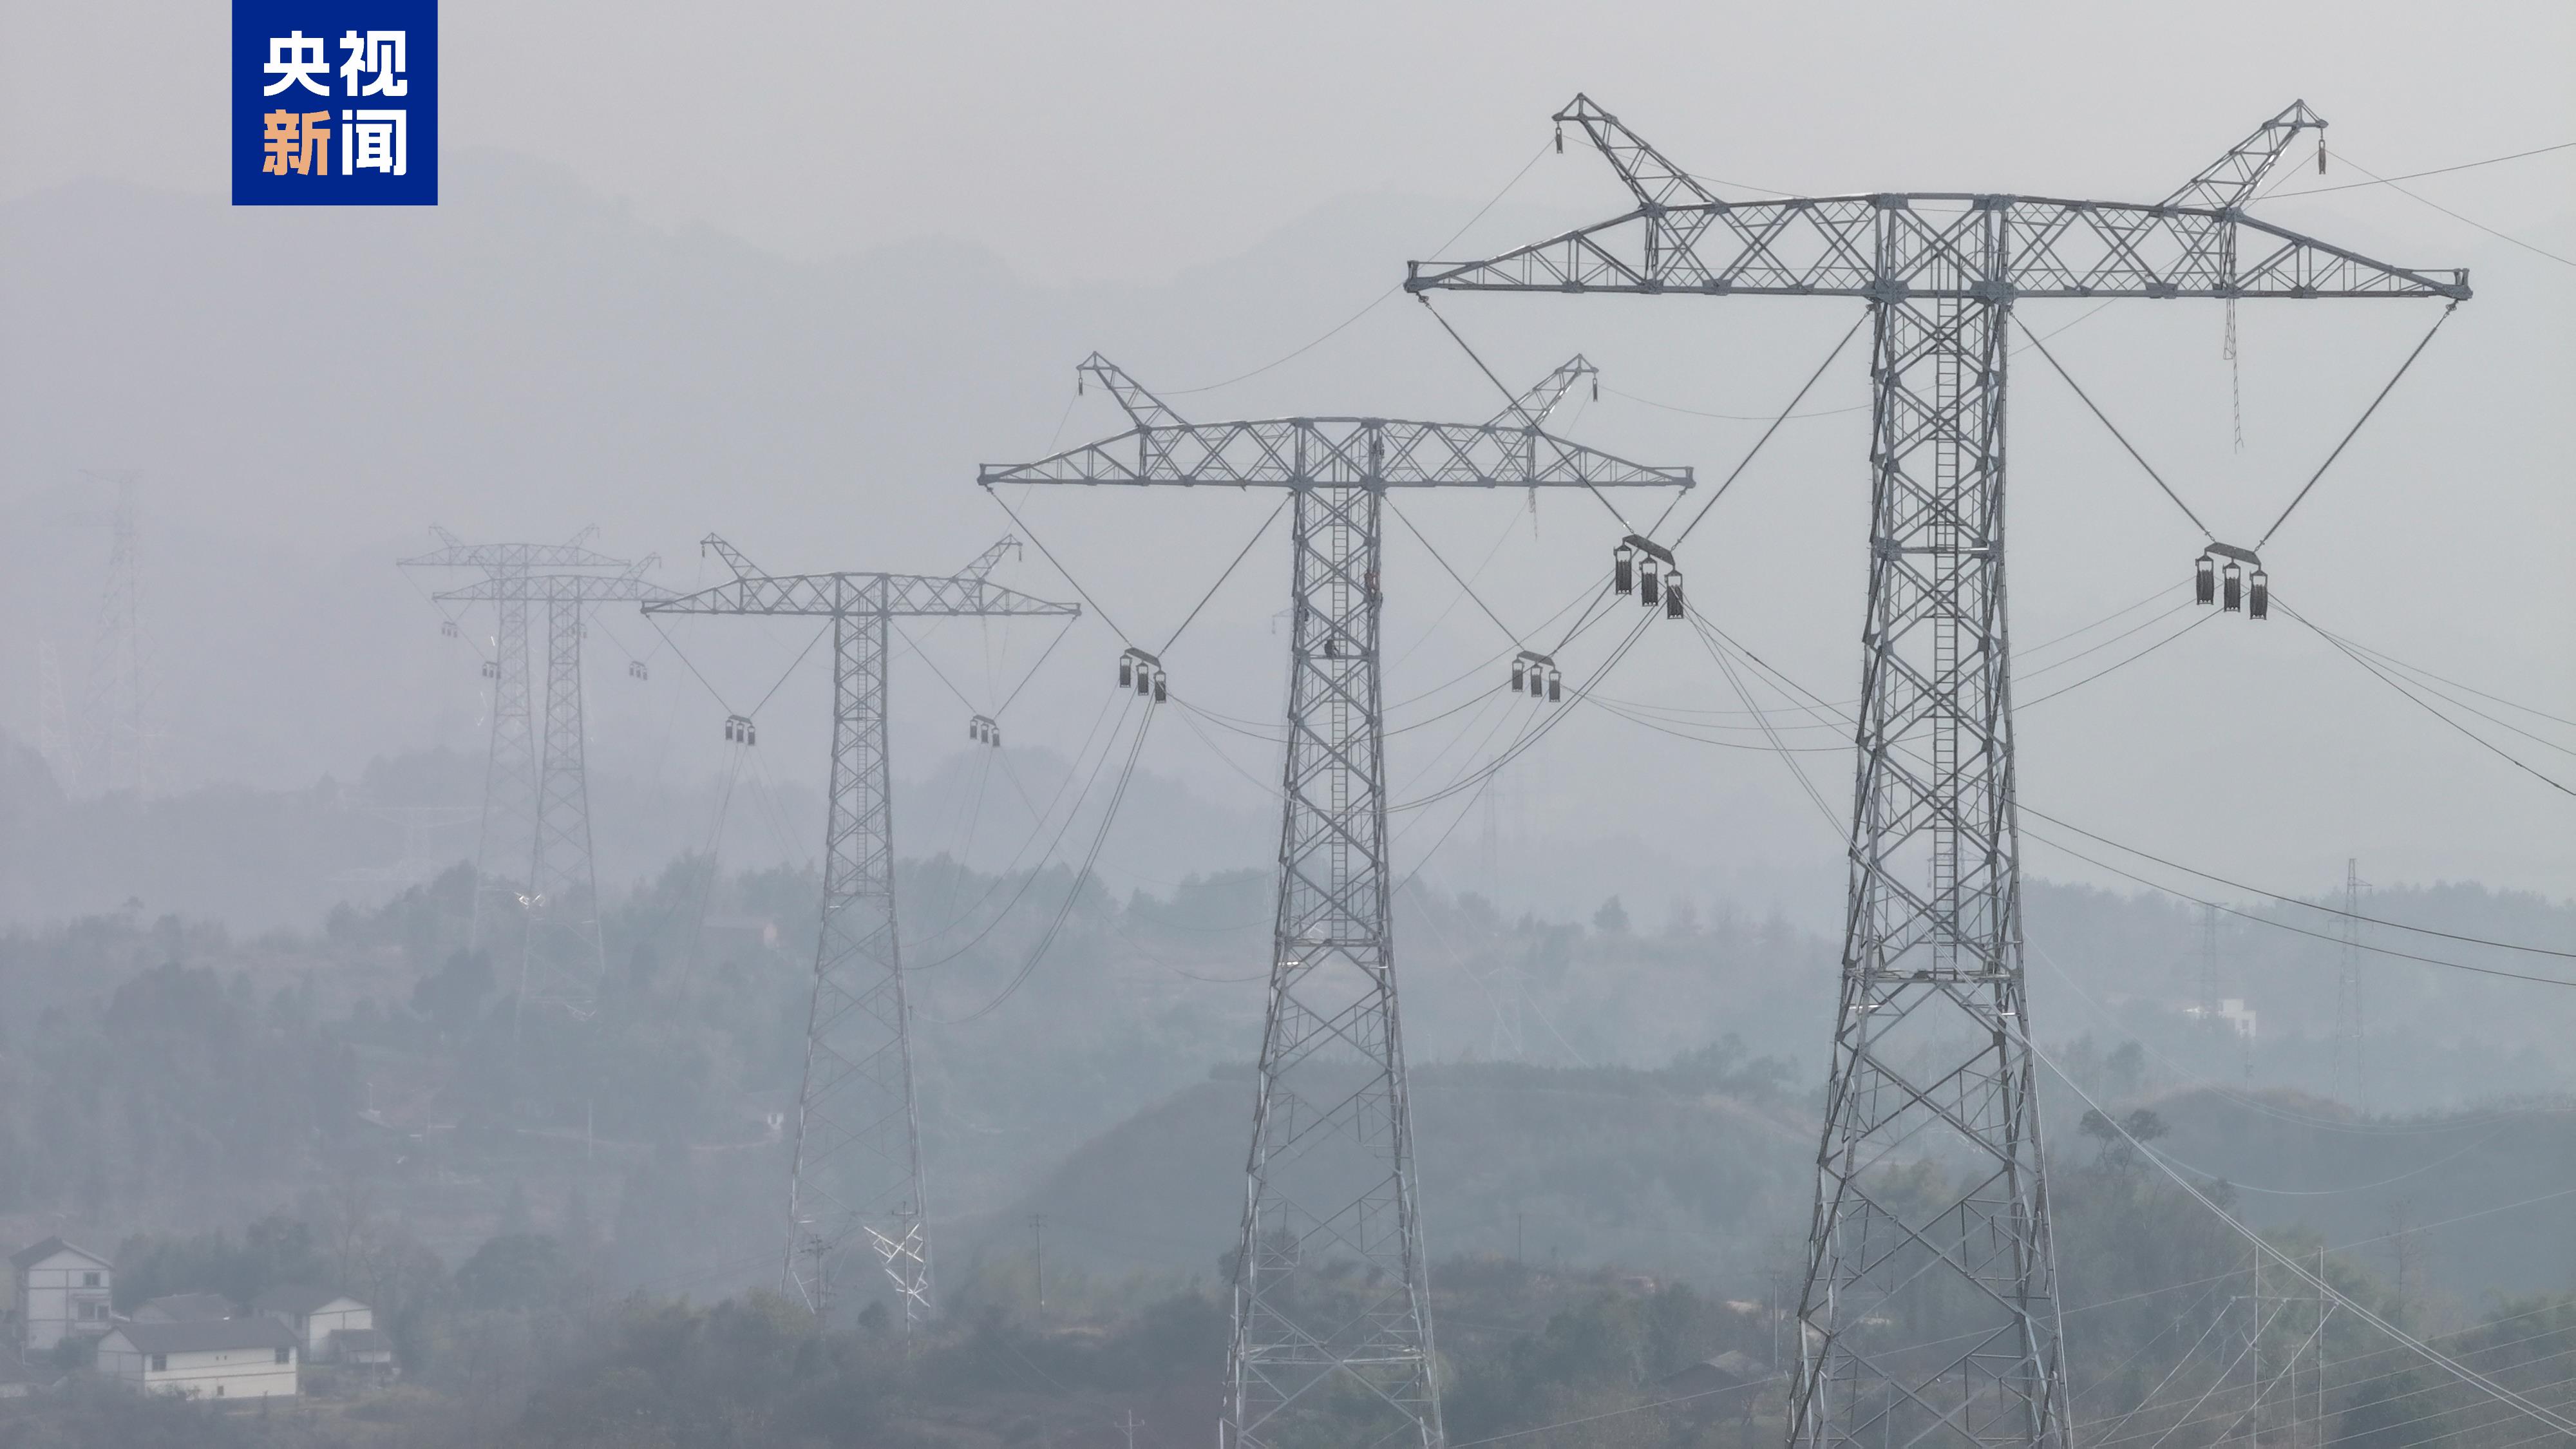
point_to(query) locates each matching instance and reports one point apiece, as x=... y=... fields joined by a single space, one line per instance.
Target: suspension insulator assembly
x=1139 y=671
x=1641 y=566
x=1536 y=675
x=2229 y=585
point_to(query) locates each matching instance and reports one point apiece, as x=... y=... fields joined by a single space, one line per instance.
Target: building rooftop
x=30 y=1256
x=184 y=1308
x=299 y=1298
x=221 y=1333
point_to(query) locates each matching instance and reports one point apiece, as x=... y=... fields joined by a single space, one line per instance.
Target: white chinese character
x=379 y=54
x=296 y=60
x=374 y=143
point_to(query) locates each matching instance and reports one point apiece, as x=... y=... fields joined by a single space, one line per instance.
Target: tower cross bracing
x=1931 y=1212
x=513 y=766
x=553 y=916
x=1331 y=1311
x=855 y=1170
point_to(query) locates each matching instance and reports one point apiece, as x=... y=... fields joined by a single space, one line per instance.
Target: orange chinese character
x=298 y=142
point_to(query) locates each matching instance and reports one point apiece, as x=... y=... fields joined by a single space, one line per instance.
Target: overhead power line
x=2383 y=677
x=2416 y=175
x=2507 y=237
x=1373 y=303
x=2255 y=890
x=2244 y=915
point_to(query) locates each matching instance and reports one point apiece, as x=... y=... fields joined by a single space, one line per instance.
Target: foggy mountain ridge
x=257 y=860
x=1671 y=1173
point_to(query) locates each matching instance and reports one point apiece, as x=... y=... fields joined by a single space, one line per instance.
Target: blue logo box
x=335 y=102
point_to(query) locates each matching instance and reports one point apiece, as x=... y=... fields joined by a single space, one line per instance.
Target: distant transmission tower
x=512 y=770
x=53 y=718
x=1331 y=1294
x=2209 y=965
x=2351 y=1079
x=1930 y=1316
x=1507 y=989
x=856 y=1168
x=120 y=741
x=561 y=962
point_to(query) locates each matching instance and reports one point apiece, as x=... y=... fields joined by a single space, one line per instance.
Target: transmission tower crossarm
x=1531 y=409
x=518 y=556
x=1656 y=182
x=742 y=567
x=617 y=588
x=826 y=596
x=1147 y=410
x=1896 y=246
x=2017 y=247
x=1007 y=547
x=2228 y=182
x=1306 y=452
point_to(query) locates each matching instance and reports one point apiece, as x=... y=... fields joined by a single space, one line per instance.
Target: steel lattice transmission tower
x=513 y=770
x=2351 y=1077
x=1931 y=1221
x=856 y=1168
x=560 y=958
x=119 y=746
x=1331 y=1298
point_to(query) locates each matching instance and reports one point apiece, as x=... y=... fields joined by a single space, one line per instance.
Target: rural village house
x=224 y=1358
x=62 y=1292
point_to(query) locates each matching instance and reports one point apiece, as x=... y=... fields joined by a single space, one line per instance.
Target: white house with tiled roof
x=62 y=1293
x=315 y=1314
x=223 y=1358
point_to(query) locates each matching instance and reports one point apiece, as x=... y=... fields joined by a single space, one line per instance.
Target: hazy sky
x=1125 y=140
x=791 y=271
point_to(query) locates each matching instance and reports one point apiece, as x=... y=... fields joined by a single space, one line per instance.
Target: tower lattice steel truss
x=1930 y=1313
x=856 y=1168
x=1331 y=1299
x=2351 y=1063
x=555 y=911
x=120 y=755
x=514 y=770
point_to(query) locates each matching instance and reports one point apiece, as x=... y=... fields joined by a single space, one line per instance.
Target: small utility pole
x=1130 y=1427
